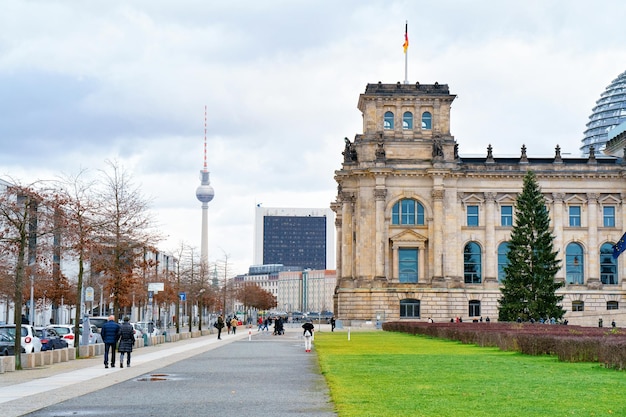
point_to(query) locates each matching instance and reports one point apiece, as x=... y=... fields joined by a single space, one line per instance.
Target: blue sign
x=183 y=296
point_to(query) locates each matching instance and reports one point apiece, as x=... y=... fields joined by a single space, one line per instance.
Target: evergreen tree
x=529 y=288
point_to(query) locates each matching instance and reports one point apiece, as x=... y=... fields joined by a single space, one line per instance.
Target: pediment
x=506 y=199
x=473 y=199
x=609 y=200
x=575 y=199
x=408 y=236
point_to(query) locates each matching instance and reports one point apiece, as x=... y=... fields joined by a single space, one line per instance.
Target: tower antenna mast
x=205 y=193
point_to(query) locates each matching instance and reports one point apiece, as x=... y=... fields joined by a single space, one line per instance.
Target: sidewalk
x=25 y=391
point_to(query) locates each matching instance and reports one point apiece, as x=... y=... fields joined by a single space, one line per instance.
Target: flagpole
x=406 y=52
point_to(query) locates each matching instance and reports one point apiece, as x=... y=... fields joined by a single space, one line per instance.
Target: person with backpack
x=219 y=325
x=308 y=334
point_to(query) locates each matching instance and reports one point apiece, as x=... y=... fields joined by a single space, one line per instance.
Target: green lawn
x=393 y=374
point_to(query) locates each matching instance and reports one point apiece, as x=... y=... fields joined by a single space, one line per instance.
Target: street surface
x=254 y=374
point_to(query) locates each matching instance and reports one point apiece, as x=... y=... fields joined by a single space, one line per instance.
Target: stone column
x=592 y=267
x=490 y=258
x=347 y=209
x=339 y=240
x=380 y=196
x=438 y=225
x=558 y=232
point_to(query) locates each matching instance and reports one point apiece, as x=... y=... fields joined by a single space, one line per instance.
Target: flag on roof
x=406 y=37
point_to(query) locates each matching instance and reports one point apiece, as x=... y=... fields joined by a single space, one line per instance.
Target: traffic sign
x=183 y=296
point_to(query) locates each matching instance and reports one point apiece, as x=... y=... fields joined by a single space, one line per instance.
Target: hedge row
x=568 y=343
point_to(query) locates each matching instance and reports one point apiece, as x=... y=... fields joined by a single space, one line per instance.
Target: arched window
x=388 y=121
x=472 y=263
x=410 y=308
x=608 y=265
x=503 y=250
x=407 y=211
x=574 y=264
x=407 y=120
x=427 y=120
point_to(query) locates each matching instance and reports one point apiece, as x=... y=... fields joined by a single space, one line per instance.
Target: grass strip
x=395 y=374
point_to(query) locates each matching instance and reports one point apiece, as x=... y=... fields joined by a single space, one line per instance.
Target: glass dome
x=609 y=111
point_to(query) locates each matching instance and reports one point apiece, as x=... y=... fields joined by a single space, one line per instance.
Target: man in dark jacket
x=127 y=340
x=110 y=335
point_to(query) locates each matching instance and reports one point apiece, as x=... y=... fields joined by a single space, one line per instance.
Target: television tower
x=205 y=193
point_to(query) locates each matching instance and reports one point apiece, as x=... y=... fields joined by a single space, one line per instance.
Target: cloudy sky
x=82 y=82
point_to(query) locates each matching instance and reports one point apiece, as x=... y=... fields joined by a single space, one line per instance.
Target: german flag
x=406 y=37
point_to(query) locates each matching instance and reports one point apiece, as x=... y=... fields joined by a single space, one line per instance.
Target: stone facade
x=420 y=228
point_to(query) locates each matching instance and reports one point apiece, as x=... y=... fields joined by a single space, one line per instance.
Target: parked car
x=7 y=345
x=50 y=339
x=94 y=336
x=98 y=321
x=66 y=331
x=297 y=316
x=30 y=342
x=148 y=327
x=138 y=330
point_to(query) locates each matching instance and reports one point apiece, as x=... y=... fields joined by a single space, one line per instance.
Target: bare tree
x=24 y=218
x=80 y=211
x=126 y=231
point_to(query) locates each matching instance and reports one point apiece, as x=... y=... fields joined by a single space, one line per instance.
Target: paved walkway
x=26 y=391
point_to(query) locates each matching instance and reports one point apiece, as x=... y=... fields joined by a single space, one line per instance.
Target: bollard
x=348 y=333
x=249 y=334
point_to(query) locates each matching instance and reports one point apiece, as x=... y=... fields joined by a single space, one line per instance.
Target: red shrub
x=568 y=343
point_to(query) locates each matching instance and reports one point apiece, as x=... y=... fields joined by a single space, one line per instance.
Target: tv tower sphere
x=204 y=192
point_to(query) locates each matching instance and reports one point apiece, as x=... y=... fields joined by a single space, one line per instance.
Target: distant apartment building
x=301 y=237
x=295 y=289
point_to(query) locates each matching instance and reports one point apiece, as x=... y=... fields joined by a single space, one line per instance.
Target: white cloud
x=281 y=80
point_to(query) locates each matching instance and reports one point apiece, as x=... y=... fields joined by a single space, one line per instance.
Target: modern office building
x=300 y=237
x=422 y=231
x=295 y=289
x=609 y=111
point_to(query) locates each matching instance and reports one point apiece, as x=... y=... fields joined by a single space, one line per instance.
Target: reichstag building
x=422 y=232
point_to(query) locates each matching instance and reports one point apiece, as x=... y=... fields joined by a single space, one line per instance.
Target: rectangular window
x=472 y=215
x=474 y=308
x=608 y=213
x=407 y=265
x=578 y=306
x=574 y=216
x=506 y=215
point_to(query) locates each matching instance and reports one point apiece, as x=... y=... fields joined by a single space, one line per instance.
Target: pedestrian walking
x=308 y=335
x=219 y=325
x=228 y=324
x=127 y=340
x=110 y=335
x=233 y=324
x=332 y=324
